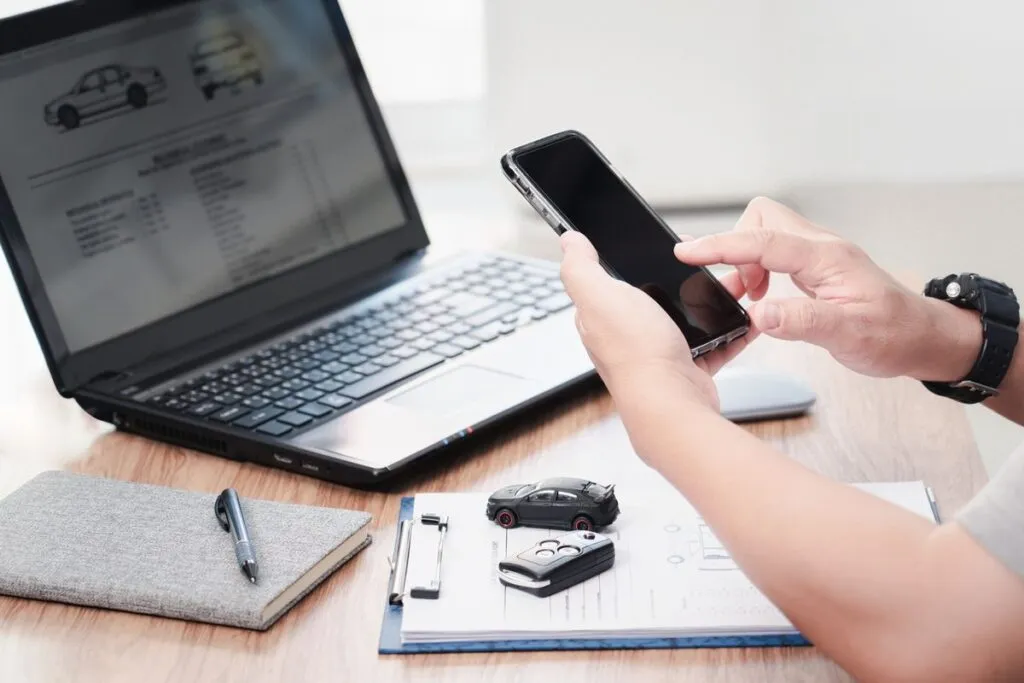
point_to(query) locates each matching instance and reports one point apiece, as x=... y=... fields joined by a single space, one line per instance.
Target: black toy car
x=561 y=503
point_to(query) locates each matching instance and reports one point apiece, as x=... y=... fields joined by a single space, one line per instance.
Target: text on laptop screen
x=165 y=161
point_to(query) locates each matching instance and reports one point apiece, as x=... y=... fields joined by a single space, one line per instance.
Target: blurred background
x=897 y=125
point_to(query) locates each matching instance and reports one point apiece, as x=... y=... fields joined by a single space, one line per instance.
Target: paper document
x=672 y=578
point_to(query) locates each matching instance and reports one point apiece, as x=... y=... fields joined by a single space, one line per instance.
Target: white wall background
x=699 y=100
x=12 y=7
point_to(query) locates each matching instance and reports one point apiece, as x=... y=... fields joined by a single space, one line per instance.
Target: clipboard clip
x=399 y=560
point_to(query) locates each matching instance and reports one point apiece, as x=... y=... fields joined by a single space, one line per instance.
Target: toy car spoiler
x=609 y=490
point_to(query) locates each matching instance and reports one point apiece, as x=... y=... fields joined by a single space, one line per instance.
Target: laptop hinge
x=114 y=381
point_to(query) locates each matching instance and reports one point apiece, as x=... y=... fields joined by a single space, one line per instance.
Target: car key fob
x=555 y=564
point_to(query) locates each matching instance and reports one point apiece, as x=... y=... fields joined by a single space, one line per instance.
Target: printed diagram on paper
x=711 y=554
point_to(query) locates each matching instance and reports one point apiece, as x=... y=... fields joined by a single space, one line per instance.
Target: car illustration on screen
x=224 y=61
x=561 y=503
x=105 y=89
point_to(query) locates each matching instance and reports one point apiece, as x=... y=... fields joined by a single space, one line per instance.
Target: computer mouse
x=748 y=394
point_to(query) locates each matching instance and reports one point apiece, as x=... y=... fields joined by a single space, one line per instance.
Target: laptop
x=218 y=248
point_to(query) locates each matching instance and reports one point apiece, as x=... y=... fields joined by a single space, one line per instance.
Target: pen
x=229 y=513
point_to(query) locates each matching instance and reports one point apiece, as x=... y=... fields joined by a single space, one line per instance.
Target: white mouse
x=747 y=394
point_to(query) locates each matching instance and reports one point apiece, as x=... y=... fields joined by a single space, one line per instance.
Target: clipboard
x=391 y=629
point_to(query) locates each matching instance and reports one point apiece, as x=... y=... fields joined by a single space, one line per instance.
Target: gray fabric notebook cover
x=84 y=540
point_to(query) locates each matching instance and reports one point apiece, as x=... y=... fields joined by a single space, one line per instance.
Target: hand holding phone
x=574 y=187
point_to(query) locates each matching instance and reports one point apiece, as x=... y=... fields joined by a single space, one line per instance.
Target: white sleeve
x=995 y=517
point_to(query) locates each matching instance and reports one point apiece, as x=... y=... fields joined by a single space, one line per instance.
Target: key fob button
x=555 y=564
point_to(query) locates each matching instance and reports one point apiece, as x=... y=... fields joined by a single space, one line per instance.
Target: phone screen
x=630 y=238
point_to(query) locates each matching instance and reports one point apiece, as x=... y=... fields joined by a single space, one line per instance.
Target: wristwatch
x=1000 y=316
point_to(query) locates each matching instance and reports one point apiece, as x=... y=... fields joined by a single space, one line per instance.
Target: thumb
x=575 y=244
x=810 y=320
x=583 y=275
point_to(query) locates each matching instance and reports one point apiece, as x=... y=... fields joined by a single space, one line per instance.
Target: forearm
x=861 y=578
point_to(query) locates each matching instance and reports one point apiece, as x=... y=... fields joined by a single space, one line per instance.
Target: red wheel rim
x=582 y=525
x=505 y=519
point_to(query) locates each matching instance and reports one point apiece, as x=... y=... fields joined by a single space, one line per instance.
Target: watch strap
x=1000 y=317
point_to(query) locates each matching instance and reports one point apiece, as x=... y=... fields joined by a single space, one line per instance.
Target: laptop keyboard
x=294 y=383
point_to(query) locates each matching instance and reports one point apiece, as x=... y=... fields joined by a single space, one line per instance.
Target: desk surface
x=861 y=430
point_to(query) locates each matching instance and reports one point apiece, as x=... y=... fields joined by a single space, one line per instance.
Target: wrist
x=661 y=399
x=665 y=418
x=643 y=385
x=949 y=345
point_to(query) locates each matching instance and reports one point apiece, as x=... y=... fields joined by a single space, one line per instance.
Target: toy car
x=561 y=503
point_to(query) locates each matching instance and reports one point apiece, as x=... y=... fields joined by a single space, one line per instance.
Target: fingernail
x=743 y=278
x=771 y=316
x=686 y=238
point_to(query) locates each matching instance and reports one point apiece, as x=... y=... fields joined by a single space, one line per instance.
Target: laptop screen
x=165 y=161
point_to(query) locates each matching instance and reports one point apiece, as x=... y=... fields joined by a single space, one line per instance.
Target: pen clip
x=221 y=512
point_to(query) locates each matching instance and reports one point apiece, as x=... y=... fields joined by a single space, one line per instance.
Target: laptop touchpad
x=461 y=388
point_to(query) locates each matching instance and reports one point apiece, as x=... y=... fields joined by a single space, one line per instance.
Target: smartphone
x=574 y=187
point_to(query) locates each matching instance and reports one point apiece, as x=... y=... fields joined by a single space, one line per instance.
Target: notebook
x=119 y=545
x=673 y=584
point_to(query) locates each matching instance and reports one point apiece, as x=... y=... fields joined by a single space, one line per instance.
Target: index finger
x=773 y=250
x=754 y=217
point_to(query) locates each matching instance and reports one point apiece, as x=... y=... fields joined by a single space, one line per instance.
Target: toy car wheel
x=505 y=519
x=137 y=96
x=582 y=523
x=68 y=117
x=257 y=78
x=208 y=91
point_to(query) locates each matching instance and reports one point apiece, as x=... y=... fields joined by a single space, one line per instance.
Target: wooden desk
x=861 y=430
